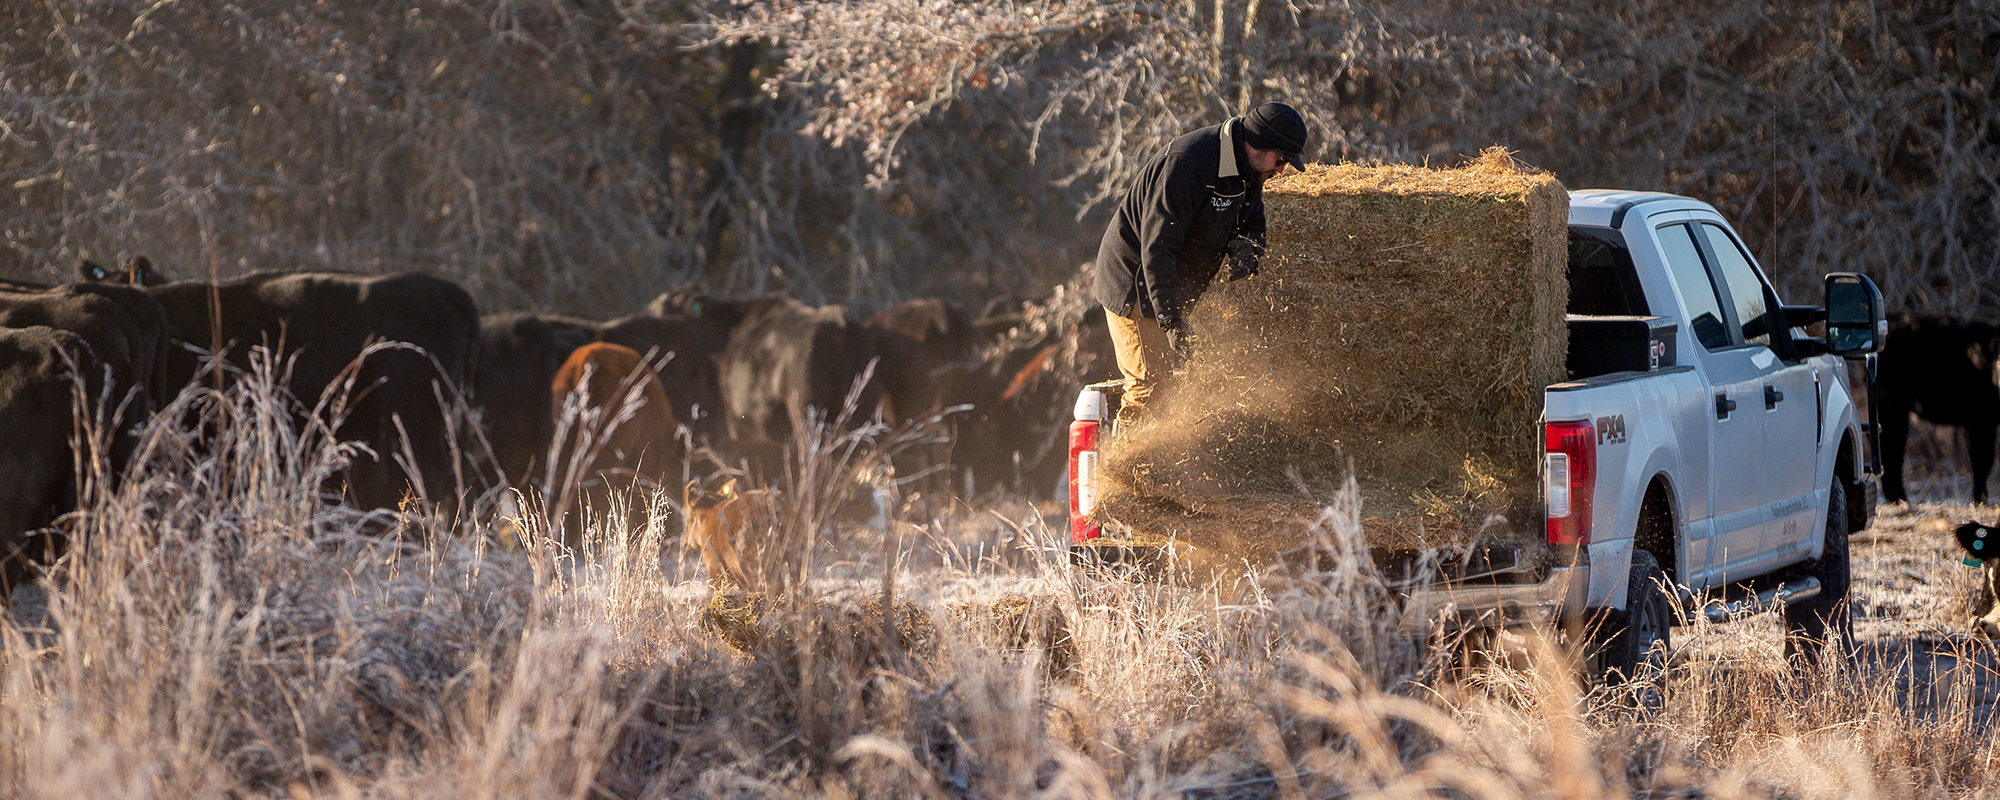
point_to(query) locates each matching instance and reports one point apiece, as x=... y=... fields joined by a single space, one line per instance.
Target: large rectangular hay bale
x=1406 y=318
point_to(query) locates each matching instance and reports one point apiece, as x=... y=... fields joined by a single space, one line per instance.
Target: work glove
x=1178 y=340
x=1243 y=255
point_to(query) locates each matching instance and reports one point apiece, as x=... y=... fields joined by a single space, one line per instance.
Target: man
x=1197 y=203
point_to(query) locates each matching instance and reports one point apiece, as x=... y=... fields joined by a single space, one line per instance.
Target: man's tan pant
x=1142 y=355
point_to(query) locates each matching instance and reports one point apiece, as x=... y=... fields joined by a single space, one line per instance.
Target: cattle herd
x=571 y=409
x=576 y=409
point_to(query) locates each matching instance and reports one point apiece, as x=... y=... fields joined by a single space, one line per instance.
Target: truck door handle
x=1772 y=397
x=1723 y=405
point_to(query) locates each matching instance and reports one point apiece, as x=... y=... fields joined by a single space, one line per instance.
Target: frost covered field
x=221 y=632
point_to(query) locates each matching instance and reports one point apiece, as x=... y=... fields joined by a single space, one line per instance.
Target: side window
x=1745 y=289
x=1704 y=306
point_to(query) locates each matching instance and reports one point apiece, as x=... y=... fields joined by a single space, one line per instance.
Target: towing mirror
x=1855 y=324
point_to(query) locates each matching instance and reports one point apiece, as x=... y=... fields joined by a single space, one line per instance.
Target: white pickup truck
x=1703 y=446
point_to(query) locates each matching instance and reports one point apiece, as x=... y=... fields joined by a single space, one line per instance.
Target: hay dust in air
x=1405 y=322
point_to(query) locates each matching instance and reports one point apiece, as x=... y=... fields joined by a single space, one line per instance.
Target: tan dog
x=716 y=522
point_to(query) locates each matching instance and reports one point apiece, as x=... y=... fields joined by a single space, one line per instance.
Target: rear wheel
x=1823 y=619
x=1633 y=644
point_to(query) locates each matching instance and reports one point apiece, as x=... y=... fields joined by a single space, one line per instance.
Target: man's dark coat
x=1169 y=234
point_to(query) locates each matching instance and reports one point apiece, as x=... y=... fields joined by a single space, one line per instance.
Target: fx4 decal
x=1611 y=429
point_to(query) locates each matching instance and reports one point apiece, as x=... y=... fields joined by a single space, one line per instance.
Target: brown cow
x=615 y=428
x=683 y=355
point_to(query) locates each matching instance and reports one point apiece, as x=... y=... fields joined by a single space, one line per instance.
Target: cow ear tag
x=1980 y=543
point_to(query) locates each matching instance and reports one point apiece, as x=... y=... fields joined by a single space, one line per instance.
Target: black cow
x=138 y=271
x=129 y=343
x=708 y=322
x=155 y=330
x=39 y=368
x=1947 y=371
x=915 y=338
x=127 y=332
x=156 y=335
x=710 y=319
x=785 y=358
x=691 y=376
x=519 y=353
x=327 y=319
x=571 y=332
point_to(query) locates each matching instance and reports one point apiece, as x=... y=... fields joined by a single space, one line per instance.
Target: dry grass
x=220 y=630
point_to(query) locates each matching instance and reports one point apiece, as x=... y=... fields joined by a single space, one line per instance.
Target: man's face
x=1265 y=163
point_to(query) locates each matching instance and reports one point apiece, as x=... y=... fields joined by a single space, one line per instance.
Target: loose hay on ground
x=1406 y=318
x=743 y=621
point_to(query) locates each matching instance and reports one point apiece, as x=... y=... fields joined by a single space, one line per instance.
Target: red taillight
x=1570 y=474
x=1083 y=480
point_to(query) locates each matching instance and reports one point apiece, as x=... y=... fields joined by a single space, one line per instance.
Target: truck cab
x=1741 y=435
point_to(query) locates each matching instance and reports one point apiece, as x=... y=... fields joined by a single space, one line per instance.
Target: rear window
x=1602 y=281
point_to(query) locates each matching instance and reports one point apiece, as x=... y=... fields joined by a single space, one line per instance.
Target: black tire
x=1823 y=619
x=1634 y=643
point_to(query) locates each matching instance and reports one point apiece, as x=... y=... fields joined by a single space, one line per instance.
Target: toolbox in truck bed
x=1603 y=345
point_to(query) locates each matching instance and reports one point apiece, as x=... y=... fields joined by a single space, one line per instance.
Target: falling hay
x=1405 y=318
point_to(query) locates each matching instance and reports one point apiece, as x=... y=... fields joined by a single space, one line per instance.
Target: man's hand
x=1242 y=258
x=1177 y=336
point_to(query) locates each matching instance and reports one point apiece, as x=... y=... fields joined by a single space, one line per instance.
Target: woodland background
x=582 y=155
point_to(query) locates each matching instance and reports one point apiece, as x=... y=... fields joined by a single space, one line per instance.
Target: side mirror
x=1855 y=324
